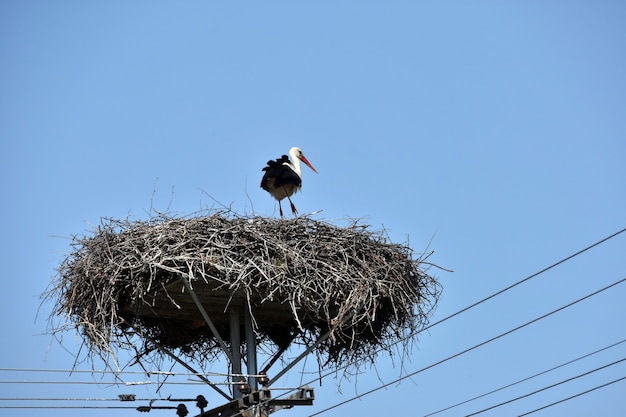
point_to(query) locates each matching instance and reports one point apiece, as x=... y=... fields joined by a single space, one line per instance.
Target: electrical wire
x=459 y=353
x=580 y=252
x=127 y=384
x=85 y=399
x=108 y=371
x=527 y=378
x=64 y=407
x=413 y=334
x=547 y=387
x=528 y=278
x=574 y=396
x=477 y=303
x=471 y=348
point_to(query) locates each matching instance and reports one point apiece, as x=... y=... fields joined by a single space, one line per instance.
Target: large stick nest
x=299 y=279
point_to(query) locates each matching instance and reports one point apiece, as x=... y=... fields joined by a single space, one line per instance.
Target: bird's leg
x=293 y=207
x=280 y=208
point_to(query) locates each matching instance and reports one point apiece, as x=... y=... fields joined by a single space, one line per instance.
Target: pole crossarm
x=304 y=396
x=263 y=398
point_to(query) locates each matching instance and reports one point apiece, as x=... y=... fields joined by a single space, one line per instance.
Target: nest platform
x=297 y=278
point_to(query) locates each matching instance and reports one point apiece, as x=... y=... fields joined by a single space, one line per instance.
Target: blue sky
x=493 y=131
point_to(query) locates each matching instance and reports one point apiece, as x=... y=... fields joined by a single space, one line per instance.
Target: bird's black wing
x=270 y=169
x=280 y=173
x=284 y=175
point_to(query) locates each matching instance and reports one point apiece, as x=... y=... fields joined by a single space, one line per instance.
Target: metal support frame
x=233 y=354
x=257 y=397
x=302 y=356
x=251 y=365
x=308 y=350
x=235 y=343
x=180 y=361
x=206 y=318
x=274 y=358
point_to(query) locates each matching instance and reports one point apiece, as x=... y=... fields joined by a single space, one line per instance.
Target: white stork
x=283 y=177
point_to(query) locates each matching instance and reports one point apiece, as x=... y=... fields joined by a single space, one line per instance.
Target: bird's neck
x=295 y=164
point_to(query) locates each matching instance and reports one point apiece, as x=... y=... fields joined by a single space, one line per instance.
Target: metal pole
x=251 y=354
x=235 y=344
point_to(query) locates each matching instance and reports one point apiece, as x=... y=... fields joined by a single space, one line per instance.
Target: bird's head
x=296 y=152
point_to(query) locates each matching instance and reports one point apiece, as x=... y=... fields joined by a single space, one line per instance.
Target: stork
x=283 y=177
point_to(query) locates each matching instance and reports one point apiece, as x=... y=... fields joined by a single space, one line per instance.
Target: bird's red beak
x=306 y=161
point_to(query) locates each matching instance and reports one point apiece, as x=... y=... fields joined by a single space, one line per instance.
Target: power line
x=460 y=312
x=477 y=303
x=593 y=245
x=546 y=388
x=126 y=384
x=471 y=348
x=78 y=399
x=463 y=310
x=573 y=396
x=525 y=279
x=56 y=407
x=108 y=371
x=384 y=348
x=526 y=379
x=120 y=399
x=101 y=407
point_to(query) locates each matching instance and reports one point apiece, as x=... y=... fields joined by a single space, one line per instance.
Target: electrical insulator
x=181 y=410
x=263 y=379
x=243 y=386
x=201 y=402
